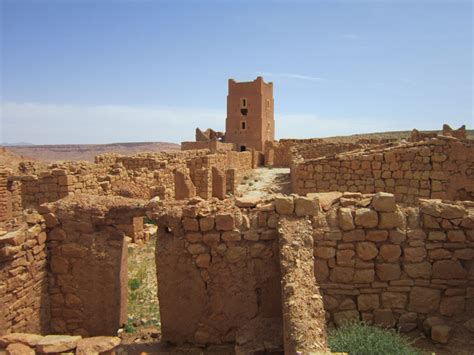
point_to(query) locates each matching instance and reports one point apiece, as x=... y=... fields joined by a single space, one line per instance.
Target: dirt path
x=264 y=182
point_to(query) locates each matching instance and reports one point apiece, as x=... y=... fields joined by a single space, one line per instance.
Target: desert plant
x=360 y=338
x=134 y=284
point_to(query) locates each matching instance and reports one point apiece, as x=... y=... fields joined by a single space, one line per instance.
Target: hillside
x=50 y=153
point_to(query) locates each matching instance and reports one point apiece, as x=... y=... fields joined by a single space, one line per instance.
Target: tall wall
x=88 y=263
x=438 y=168
x=24 y=295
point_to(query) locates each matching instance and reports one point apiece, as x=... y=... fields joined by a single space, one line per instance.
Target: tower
x=250 y=121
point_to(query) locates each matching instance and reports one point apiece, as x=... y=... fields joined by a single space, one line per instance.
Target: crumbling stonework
x=88 y=258
x=438 y=168
x=24 y=296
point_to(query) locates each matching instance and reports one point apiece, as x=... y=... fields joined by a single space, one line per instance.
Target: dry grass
x=143 y=310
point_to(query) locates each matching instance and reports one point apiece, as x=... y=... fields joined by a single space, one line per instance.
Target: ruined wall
x=233 y=165
x=213 y=146
x=438 y=168
x=395 y=267
x=373 y=260
x=282 y=153
x=24 y=279
x=5 y=199
x=228 y=261
x=88 y=263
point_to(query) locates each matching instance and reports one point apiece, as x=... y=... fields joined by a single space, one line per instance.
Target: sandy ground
x=264 y=182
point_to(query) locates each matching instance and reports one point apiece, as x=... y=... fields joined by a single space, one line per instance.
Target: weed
x=359 y=338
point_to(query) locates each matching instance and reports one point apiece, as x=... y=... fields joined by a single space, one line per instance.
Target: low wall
x=282 y=153
x=373 y=260
x=213 y=146
x=24 y=295
x=438 y=168
x=395 y=267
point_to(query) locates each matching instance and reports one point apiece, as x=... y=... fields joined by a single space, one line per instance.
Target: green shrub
x=147 y=220
x=361 y=339
x=134 y=284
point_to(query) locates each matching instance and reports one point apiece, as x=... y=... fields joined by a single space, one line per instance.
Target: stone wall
x=24 y=296
x=5 y=201
x=438 y=168
x=282 y=153
x=88 y=263
x=396 y=267
x=373 y=260
x=228 y=261
x=212 y=145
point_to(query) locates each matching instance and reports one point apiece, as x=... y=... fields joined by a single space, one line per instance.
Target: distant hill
x=19 y=144
x=50 y=153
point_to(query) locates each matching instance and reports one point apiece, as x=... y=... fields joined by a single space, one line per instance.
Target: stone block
x=452 y=306
x=387 y=272
x=284 y=205
x=306 y=206
x=389 y=220
x=414 y=254
x=384 y=318
x=384 y=202
x=448 y=270
x=225 y=222
x=346 y=221
x=418 y=270
x=364 y=276
x=97 y=345
x=368 y=302
x=441 y=333
x=394 y=300
x=366 y=250
x=324 y=252
x=367 y=218
x=390 y=253
x=206 y=224
x=342 y=274
x=424 y=300
x=57 y=343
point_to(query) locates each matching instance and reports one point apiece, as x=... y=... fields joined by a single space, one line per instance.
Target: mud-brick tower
x=250 y=121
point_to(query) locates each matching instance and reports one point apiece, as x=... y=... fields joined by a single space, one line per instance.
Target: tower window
x=243 y=148
x=243 y=125
x=243 y=102
x=268 y=103
x=244 y=111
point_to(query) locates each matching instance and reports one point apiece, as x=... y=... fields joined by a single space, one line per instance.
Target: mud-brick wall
x=438 y=168
x=88 y=263
x=217 y=272
x=396 y=267
x=23 y=279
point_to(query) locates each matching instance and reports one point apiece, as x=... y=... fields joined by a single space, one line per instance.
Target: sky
x=104 y=71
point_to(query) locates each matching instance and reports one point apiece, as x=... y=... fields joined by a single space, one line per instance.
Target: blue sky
x=79 y=71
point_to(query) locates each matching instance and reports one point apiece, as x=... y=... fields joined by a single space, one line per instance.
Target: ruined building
x=250 y=121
